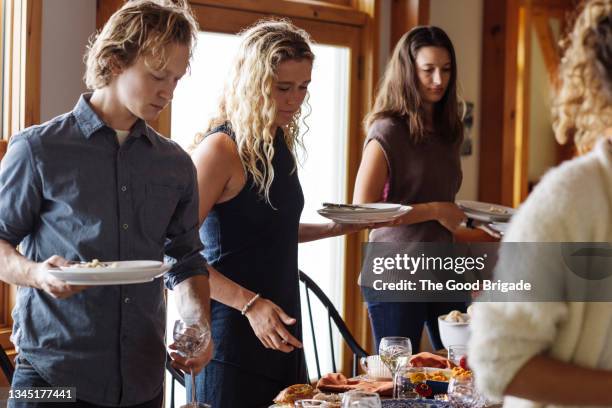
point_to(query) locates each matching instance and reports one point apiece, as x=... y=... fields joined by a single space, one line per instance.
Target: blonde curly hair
x=583 y=106
x=139 y=28
x=247 y=104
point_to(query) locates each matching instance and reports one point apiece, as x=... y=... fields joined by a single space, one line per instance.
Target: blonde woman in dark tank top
x=411 y=156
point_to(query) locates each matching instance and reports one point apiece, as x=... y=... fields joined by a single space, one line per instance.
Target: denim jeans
x=224 y=385
x=406 y=319
x=26 y=376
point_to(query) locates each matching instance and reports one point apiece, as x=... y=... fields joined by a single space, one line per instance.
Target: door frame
x=232 y=21
x=356 y=26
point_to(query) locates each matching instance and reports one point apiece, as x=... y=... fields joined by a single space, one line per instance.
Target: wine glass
x=395 y=352
x=361 y=399
x=462 y=393
x=190 y=338
x=406 y=380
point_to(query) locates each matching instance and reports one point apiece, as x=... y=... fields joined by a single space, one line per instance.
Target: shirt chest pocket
x=161 y=203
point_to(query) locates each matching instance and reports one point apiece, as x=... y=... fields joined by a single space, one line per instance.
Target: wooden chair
x=6 y=364
x=333 y=319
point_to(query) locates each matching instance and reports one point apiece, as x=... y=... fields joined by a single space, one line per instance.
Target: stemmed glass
x=190 y=338
x=462 y=393
x=395 y=352
x=360 y=399
x=406 y=381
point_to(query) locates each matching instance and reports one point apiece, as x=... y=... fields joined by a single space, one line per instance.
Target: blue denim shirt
x=67 y=188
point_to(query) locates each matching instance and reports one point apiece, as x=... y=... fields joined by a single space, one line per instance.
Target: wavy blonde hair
x=247 y=103
x=583 y=106
x=139 y=28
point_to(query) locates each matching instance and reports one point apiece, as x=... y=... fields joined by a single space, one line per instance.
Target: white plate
x=364 y=218
x=479 y=210
x=121 y=266
x=109 y=276
x=500 y=227
x=364 y=208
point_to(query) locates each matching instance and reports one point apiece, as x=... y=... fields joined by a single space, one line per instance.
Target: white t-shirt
x=122 y=135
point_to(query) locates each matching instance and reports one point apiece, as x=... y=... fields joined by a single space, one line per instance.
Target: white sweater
x=573 y=203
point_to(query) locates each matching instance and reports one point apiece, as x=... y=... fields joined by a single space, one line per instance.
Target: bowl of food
x=437 y=379
x=454 y=328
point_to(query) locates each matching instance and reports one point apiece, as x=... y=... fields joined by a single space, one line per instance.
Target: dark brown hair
x=398 y=93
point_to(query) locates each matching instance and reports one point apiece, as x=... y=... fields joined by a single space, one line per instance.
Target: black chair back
x=332 y=316
x=7 y=366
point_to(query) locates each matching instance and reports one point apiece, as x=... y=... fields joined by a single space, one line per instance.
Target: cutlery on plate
x=349 y=206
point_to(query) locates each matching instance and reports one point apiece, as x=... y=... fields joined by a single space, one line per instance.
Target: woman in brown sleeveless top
x=411 y=156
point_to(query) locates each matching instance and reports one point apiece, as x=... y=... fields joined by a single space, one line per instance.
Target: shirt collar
x=89 y=122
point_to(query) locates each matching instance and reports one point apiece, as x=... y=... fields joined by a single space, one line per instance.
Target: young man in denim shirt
x=98 y=182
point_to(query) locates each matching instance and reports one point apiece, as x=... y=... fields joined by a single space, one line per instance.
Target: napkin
x=336 y=382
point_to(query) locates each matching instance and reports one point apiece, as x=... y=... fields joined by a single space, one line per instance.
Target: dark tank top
x=255 y=244
x=418 y=173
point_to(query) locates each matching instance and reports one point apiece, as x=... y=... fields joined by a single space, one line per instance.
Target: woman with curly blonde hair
x=560 y=352
x=250 y=206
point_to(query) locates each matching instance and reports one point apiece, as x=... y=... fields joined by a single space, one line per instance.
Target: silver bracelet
x=248 y=305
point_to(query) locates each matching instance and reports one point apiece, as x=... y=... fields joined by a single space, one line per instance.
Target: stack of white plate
x=112 y=273
x=485 y=211
x=363 y=213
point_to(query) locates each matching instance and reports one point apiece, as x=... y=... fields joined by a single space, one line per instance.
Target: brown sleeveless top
x=418 y=173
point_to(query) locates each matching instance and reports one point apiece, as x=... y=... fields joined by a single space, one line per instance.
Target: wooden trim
x=22 y=59
x=355 y=312
x=523 y=103
x=405 y=15
x=105 y=9
x=498 y=117
x=554 y=4
x=510 y=103
x=32 y=63
x=3 y=21
x=9 y=66
x=214 y=19
x=339 y=2
x=22 y=65
x=162 y=123
x=493 y=72
x=3 y=147
x=306 y=9
x=362 y=41
x=548 y=45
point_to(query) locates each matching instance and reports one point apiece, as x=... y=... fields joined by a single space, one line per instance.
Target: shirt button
x=125 y=226
x=127 y=300
x=123 y=188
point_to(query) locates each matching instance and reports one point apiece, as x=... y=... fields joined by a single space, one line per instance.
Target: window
x=323 y=170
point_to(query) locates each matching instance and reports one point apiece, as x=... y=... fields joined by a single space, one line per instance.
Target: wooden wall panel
x=33 y=63
x=406 y=14
x=498 y=100
x=105 y=9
